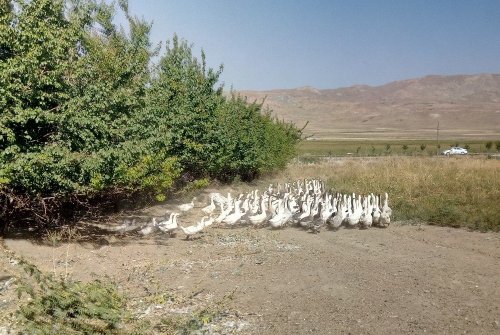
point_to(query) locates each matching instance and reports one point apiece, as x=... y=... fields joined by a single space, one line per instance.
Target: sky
x=270 y=44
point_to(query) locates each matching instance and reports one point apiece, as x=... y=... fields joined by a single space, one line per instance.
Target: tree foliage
x=85 y=112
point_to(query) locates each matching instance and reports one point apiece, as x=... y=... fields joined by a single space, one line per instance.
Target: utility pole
x=437 y=139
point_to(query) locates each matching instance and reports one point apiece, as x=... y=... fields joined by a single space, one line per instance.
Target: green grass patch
x=390 y=147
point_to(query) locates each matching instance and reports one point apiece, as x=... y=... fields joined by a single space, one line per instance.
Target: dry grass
x=455 y=191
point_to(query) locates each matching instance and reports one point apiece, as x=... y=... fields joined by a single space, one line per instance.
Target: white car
x=455 y=151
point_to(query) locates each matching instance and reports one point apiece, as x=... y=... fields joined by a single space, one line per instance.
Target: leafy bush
x=85 y=114
x=209 y=133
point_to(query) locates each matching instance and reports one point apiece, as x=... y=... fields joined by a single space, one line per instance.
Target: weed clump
x=58 y=306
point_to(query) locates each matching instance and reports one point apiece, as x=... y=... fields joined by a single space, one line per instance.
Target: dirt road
x=400 y=280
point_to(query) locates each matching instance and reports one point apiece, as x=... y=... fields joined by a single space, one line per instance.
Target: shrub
x=488 y=145
x=85 y=116
x=67 y=307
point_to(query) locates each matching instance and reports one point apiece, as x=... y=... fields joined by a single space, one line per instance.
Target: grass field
x=392 y=147
x=454 y=191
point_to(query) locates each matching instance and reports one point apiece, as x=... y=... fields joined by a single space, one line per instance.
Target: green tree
x=183 y=100
x=83 y=115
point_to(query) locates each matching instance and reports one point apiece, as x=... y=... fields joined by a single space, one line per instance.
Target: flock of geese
x=303 y=203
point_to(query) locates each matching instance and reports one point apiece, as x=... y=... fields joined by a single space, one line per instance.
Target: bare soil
x=400 y=280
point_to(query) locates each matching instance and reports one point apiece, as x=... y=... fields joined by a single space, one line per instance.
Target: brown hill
x=466 y=106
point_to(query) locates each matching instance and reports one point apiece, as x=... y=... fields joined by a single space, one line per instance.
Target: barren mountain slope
x=465 y=106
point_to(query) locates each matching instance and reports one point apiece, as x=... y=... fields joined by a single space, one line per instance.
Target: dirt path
x=400 y=280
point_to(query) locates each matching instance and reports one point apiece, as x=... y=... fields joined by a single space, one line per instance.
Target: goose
x=246 y=210
x=386 y=207
x=149 y=228
x=284 y=215
x=336 y=221
x=366 y=219
x=254 y=207
x=210 y=208
x=306 y=208
x=385 y=219
x=307 y=217
x=209 y=222
x=354 y=214
x=167 y=222
x=187 y=207
x=224 y=212
x=298 y=213
x=192 y=230
x=279 y=215
x=316 y=222
x=246 y=204
x=327 y=211
x=262 y=216
x=231 y=219
x=376 y=211
x=126 y=226
x=170 y=225
x=218 y=198
x=385 y=215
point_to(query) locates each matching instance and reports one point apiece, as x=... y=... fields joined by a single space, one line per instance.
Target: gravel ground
x=401 y=280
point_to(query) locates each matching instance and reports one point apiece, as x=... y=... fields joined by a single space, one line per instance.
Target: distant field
x=391 y=147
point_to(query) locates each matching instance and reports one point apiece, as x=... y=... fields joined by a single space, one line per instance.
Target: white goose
x=149 y=228
x=284 y=215
x=366 y=219
x=210 y=208
x=385 y=215
x=209 y=221
x=276 y=219
x=224 y=212
x=262 y=216
x=187 y=207
x=170 y=225
x=327 y=211
x=354 y=214
x=231 y=219
x=376 y=211
x=126 y=226
x=306 y=218
x=192 y=230
x=386 y=207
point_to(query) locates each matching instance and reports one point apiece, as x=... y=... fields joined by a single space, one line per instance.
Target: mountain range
x=465 y=106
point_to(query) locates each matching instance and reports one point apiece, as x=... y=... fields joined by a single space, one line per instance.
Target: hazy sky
x=267 y=44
